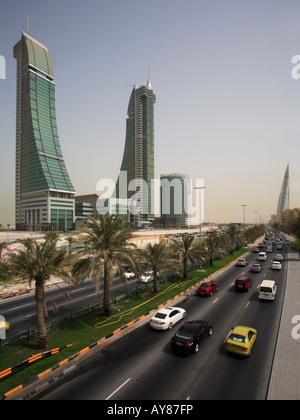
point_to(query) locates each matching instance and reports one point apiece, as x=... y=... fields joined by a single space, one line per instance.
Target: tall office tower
x=44 y=192
x=174 y=199
x=284 y=197
x=137 y=169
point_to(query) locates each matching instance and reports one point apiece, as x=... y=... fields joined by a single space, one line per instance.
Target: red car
x=243 y=284
x=207 y=288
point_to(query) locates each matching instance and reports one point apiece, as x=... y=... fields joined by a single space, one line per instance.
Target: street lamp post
x=244 y=205
x=200 y=224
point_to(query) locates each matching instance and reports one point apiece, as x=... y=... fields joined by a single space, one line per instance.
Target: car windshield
x=204 y=286
x=237 y=337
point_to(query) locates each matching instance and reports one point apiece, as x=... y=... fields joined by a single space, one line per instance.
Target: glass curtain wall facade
x=137 y=169
x=284 y=197
x=44 y=191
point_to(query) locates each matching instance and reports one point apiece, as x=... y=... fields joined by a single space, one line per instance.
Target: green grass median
x=85 y=330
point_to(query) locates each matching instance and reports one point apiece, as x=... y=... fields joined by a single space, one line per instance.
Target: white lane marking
x=215 y=300
x=121 y=386
x=247 y=304
x=18 y=307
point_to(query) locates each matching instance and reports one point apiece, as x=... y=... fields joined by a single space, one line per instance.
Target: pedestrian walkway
x=285 y=377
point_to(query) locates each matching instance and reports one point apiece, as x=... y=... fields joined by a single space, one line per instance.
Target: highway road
x=142 y=366
x=20 y=311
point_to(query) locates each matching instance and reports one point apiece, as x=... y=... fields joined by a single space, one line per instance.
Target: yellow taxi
x=240 y=340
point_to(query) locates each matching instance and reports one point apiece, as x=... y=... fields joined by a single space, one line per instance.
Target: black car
x=192 y=333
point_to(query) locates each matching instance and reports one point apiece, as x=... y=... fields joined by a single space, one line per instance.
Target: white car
x=241 y=262
x=148 y=276
x=262 y=256
x=278 y=257
x=165 y=318
x=129 y=274
x=276 y=265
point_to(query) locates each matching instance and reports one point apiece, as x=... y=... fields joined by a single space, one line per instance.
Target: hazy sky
x=227 y=109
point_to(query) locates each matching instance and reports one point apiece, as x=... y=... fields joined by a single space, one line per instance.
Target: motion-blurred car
x=276 y=265
x=148 y=276
x=256 y=268
x=241 y=262
x=129 y=274
x=240 y=340
x=243 y=284
x=262 y=256
x=207 y=288
x=189 y=337
x=165 y=318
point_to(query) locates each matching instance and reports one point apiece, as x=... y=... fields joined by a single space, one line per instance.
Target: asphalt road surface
x=142 y=365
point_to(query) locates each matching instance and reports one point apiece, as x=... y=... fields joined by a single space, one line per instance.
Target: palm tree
x=71 y=240
x=234 y=236
x=108 y=250
x=3 y=245
x=185 y=251
x=157 y=258
x=36 y=263
x=214 y=246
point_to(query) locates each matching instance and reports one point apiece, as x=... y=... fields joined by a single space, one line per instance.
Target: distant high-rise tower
x=44 y=192
x=284 y=197
x=137 y=169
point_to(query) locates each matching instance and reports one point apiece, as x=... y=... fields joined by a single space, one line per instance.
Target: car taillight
x=228 y=345
x=189 y=345
x=244 y=348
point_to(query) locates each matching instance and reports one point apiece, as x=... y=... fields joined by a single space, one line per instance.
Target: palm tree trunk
x=40 y=314
x=106 y=291
x=155 y=288
x=185 y=267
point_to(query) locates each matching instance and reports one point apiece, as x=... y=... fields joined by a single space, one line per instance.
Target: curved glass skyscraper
x=137 y=169
x=284 y=197
x=44 y=191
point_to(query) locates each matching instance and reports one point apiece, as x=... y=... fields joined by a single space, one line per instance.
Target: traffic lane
x=154 y=366
x=212 y=366
x=20 y=312
x=248 y=378
x=239 y=303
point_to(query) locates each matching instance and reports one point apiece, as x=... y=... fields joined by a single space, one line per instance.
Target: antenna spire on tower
x=149 y=83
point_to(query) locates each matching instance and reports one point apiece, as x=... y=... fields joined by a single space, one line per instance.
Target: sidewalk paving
x=285 y=377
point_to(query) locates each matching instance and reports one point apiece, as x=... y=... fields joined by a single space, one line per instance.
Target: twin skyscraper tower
x=44 y=192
